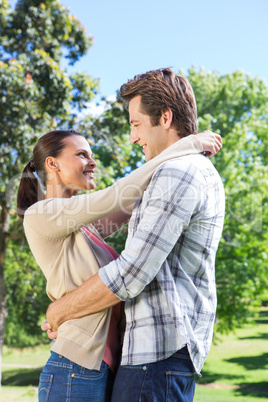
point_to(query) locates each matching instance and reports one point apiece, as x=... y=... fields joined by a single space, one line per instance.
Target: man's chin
x=149 y=157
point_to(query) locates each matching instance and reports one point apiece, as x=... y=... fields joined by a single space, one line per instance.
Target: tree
x=236 y=106
x=36 y=93
x=26 y=295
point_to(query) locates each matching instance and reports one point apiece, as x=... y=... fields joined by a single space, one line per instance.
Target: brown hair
x=161 y=90
x=34 y=173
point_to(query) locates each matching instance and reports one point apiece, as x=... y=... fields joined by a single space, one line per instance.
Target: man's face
x=153 y=140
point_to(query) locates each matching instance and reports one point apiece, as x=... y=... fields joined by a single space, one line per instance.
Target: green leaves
x=236 y=106
x=84 y=88
x=36 y=96
x=26 y=297
x=45 y=25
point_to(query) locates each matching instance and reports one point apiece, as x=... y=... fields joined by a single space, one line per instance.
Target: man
x=165 y=275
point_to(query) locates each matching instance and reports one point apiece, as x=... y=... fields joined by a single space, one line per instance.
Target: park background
x=62 y=67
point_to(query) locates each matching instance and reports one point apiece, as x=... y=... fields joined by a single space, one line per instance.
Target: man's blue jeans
x=169 y=380
x=65 y=381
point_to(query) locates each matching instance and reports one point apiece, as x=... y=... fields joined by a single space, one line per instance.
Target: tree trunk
x=3 y=314
x=4 y=224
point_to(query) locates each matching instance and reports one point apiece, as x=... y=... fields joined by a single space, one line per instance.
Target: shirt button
x=144 y=368
x=73 y=375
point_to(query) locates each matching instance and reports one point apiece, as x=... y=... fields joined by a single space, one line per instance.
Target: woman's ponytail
x=29 y=191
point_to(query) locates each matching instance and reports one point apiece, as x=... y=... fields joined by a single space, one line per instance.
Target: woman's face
x=76 y=165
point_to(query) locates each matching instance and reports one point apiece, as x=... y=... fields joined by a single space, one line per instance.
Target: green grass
x=21 y=369
x=236 y=369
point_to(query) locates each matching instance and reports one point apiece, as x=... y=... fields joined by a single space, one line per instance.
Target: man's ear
x=167 y=118
x=52 y=164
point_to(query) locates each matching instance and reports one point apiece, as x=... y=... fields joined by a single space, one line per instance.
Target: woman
x=69 y=249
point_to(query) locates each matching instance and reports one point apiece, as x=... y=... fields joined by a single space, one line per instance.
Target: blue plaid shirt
x=166 y=274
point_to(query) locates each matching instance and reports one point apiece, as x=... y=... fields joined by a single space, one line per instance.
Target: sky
x=134 y=36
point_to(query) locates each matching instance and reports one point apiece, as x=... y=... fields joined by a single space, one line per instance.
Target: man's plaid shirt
x=166 y=273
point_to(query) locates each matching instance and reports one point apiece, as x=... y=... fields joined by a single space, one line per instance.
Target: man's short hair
x=161 y=90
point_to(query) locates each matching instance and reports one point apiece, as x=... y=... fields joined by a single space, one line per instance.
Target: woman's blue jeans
x=65 y=381
x=169 y=380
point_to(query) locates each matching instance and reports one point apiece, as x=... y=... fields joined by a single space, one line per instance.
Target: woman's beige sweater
x=67 y=258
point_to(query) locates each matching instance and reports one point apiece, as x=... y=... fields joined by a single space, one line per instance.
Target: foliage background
x=36 y=95
x=234 y=105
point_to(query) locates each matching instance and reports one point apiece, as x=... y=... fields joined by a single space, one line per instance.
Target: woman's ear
x=52 y=164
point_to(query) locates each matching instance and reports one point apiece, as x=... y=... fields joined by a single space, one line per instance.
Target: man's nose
x=133 y=137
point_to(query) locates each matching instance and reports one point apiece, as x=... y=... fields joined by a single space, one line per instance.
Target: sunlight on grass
x=236 y=369
x=17 y=394
x=221 y=395
x=21 y=369
x=237 y=366
x=36 y=356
